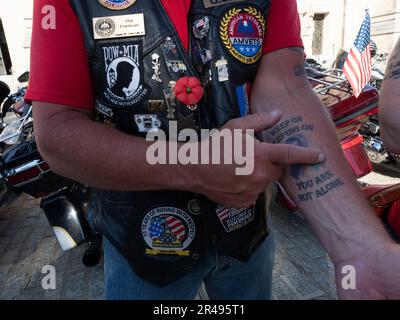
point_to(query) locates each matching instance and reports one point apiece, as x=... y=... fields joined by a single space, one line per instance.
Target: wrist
x=363 y=249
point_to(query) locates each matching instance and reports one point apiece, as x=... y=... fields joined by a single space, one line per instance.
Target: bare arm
x=327 y=194
x=77 y=147
x=389 y=108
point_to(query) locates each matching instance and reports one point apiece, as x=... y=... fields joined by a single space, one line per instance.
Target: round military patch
x=117 y=4
x=242 y=33
x=105 y=27
x=168 y=230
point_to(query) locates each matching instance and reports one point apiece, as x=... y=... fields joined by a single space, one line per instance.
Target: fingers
x=290 y=154
x=258 y=121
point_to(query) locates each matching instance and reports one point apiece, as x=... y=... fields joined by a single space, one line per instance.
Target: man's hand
x=220 y=182
x=377 y=275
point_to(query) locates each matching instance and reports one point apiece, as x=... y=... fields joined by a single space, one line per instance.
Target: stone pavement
x=27 y=244
x=302 y=268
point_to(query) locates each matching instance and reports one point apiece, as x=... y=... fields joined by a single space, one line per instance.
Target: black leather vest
x=164 y=234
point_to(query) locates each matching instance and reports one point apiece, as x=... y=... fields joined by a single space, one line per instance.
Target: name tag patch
x=131 y=25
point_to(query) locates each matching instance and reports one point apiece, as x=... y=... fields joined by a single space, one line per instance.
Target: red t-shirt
x=59 y=67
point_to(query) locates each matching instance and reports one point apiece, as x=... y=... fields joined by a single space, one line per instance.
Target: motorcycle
x=64 y=202
x=375 y=148
x=378 y=70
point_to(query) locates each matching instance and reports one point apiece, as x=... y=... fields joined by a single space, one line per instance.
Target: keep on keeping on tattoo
x=288 y=128
x=393 y=68
x=309 y=187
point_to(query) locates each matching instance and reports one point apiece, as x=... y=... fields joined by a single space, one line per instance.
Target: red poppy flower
x=188 y=90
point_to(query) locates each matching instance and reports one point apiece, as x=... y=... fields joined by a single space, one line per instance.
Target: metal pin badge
x=170 y=99
x=201 y=27
x=156 y=68
x=172 y=57
x=222 y=67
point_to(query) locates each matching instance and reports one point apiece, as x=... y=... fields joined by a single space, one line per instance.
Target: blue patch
x=243 y=100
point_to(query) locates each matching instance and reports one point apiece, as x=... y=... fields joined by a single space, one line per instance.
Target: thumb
x=257 y=121
x=290 y=154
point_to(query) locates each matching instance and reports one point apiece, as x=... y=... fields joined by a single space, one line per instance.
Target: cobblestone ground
x=302 y=268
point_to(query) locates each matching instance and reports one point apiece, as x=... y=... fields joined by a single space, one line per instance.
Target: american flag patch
x=233 y=219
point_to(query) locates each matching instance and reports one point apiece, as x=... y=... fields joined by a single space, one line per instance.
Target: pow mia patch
x=242 y=33
x=233 y=219
x=124 y=86
x=168 y=230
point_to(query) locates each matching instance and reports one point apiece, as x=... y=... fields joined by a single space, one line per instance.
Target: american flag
x=223 y=213
x=201 y=23
x=358 y=66
x=161 y=224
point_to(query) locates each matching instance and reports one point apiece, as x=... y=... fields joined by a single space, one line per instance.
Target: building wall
x=343 y=21
x=17 y=22
x=341 y=24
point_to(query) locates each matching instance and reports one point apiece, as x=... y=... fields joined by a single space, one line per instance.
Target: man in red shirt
x=65 y=87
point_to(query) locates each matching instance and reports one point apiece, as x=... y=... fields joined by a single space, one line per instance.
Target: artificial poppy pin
x=188 y=90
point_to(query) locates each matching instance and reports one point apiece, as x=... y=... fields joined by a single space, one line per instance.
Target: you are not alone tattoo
x=310 y=186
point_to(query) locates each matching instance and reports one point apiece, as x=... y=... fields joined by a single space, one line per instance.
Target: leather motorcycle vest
x=136 y=57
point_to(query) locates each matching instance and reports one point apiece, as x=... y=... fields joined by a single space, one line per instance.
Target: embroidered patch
x=124 y=75
x=233 y=219
x=168 y=230
x=242 y=33
x=117 y=4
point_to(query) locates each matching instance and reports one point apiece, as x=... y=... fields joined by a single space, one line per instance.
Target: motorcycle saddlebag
x=385 y=200
x=65 y=212
x=25 y=170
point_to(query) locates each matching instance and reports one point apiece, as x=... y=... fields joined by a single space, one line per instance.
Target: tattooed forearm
x=393 y=68
x=299 y=69
x=318 y=186
x=310 y=182
x=285 y=129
